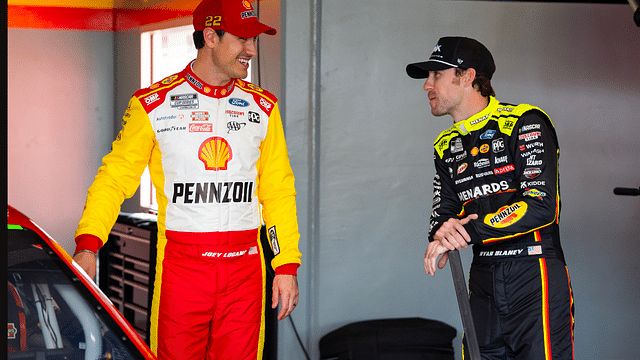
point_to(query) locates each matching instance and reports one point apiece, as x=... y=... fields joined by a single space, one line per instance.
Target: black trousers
x=522 y=309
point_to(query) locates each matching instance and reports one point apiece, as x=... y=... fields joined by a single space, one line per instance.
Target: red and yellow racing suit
x=218 y=159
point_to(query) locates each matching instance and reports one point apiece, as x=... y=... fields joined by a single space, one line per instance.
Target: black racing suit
x=502 y=164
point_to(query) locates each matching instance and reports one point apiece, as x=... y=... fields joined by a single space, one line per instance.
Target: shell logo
x=215 y=153
x=247 y=4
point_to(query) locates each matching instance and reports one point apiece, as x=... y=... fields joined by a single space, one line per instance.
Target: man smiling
x=216 y=153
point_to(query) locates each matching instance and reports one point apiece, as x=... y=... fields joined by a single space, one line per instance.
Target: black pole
x=463 y=302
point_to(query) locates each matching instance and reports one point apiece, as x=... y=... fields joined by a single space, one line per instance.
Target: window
x=162 y=53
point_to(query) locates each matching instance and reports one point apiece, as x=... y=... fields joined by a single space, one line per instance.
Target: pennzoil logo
x=506 y=215
x=215 y=153
x=169 y=80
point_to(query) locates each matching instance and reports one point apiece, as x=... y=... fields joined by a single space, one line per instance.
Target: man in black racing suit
x=497 y=187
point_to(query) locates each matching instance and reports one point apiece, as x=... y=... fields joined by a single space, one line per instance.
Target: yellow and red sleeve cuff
x=88 y=242
x=287 y=269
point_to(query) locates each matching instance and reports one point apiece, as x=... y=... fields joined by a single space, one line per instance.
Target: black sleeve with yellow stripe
x=535 y=203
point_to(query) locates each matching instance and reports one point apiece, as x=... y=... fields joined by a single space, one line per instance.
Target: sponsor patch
x=169 y=80
x=488 y=134
x=238 y=102
x=194 y=81
x=530 y=127
x=213 y=192
x=151 y=98
x=171 y=128
x=531 y=161
x=254 y=117
x=200 y=116
x=531 y=173
x=456 y=145
x=464 y=179
x=497 y=145
x=535 y=193
x=506 y=215
x=215 y=153
x=530 y=136
x=206 y=127
x=234 y=113
x=462 y=168
x=265 y=104
x=481 y=163
x=501 y=159
x=184 y=101
x=234 y=126
x=483 y=190
x=273 y=236
x=504 y=169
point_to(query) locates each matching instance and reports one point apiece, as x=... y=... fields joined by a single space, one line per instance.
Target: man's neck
x=204 y=69
x=472 y=105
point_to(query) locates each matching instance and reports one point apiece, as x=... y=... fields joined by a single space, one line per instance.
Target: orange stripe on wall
x=129 y=19
x=49 y=17
x=45 y=17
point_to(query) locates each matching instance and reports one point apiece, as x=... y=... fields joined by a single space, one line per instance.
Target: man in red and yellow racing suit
x=497 y=187
x=216 y=153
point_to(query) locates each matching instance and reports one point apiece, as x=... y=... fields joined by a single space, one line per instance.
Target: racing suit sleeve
x=277 y=193
x=117 y=178
x=445 y=202
x=535 y=203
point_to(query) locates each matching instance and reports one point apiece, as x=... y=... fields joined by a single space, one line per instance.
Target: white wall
x=60 y=122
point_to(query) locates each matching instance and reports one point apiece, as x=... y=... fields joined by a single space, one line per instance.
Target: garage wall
x=60 y=122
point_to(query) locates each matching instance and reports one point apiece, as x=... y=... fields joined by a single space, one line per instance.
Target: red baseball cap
x=234 y=16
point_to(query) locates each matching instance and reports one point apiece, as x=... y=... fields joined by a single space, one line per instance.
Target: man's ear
x=468 y=76
x=211 y=38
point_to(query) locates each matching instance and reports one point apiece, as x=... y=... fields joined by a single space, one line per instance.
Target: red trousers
x=211 y=297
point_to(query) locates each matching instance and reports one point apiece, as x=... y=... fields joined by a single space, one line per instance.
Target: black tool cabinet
x=127 y=268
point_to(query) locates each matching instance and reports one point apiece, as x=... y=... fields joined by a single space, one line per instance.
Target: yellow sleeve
x=277 y=194
x=119 y=176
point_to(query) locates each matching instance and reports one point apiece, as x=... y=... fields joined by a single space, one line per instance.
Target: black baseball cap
x=455 y=51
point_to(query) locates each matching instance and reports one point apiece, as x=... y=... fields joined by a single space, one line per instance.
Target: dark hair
x=481 y=82
x=198 y=38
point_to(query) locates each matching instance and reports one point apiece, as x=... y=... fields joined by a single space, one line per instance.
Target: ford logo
x=238 y=102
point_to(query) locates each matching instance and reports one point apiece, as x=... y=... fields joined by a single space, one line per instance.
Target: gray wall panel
x=60 y=122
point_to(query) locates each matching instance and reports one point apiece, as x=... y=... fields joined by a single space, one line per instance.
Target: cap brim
x=421 y=70
x=251 y=29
